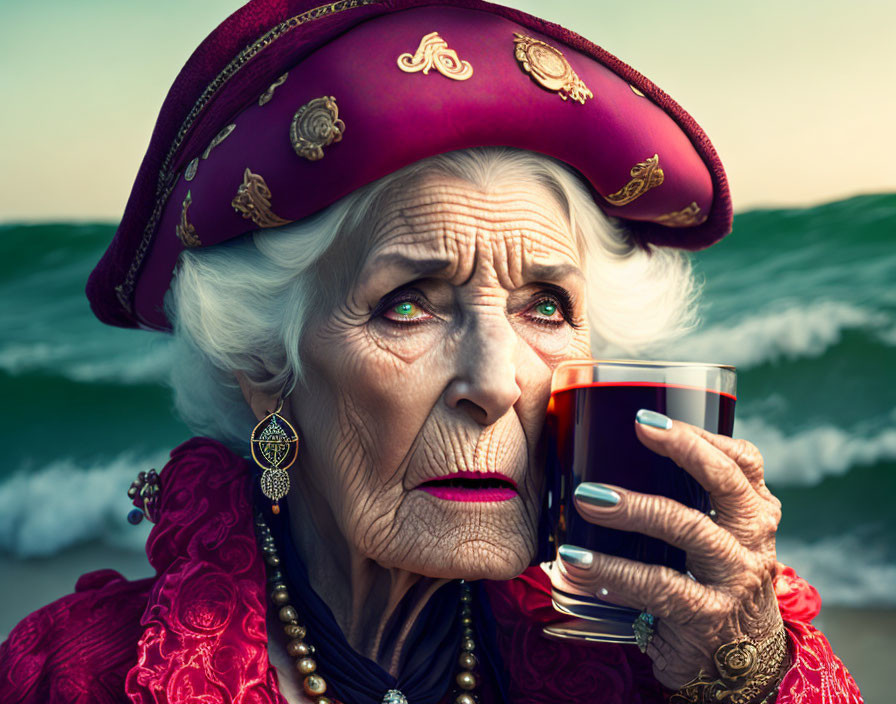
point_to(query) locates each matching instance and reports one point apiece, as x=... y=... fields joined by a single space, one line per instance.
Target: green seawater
x=803 y=301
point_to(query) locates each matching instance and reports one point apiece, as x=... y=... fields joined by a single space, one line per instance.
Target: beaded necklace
x=313 y=683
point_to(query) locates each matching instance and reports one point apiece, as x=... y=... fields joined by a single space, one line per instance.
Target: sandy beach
x=863 y=638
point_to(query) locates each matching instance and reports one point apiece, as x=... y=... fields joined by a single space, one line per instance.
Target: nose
x=485 y=384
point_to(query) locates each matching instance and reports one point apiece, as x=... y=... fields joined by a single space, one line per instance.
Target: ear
x=261 y=402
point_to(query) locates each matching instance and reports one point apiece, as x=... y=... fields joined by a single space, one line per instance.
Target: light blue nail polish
x=653 y=419
x=597 y=495
x=577 y=557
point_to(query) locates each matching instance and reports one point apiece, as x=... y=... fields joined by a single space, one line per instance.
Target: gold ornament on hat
x=274 y=444
x=686 y=217
x=218 y=138
x=269 y=93
x=192 y=168
x=645 y=175
x=314 y=126
x=548 y=67
x=433 y=53
x=253 y=201
x=186 y=233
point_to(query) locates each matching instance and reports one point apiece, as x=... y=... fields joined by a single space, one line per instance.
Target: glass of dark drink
x=591 y=435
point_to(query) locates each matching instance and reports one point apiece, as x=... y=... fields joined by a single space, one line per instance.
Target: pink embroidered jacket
x=196 y=631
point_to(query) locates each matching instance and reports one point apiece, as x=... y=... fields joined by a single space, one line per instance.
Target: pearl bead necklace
x=313 y=684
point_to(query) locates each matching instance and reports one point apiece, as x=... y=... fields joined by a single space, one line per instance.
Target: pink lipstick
x=471 y=486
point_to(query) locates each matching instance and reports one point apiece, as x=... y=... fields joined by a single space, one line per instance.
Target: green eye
x=406 y=309
x=546 y=308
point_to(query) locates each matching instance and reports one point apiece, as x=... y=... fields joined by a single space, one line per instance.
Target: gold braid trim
x=749 y=673
x=166 y=182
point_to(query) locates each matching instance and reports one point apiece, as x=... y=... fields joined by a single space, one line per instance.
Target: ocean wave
x=146 y=363
x=794 y=332
x=47 y=510
x=845 y=570
x=806 y=457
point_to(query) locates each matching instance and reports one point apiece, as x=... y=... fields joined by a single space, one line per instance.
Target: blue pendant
x=393 y=696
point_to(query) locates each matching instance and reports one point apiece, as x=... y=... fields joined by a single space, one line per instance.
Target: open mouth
x=471 y=486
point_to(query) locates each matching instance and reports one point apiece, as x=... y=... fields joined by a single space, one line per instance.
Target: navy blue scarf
x=428 y=660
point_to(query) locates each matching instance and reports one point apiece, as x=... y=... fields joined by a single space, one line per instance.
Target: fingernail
x=577 y=557
x=595 y=494
x=653 y=419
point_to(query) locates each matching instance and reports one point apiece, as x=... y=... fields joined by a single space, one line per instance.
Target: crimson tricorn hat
x=286 y=107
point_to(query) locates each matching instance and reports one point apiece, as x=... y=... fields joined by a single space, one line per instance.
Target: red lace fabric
x=195 y=633
x=817 y=675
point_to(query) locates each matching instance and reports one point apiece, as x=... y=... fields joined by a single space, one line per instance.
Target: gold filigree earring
x=275 y=446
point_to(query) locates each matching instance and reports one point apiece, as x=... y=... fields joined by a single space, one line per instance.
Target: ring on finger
x=643 y=628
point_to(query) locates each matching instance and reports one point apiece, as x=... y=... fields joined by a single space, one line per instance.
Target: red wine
x=593 y=432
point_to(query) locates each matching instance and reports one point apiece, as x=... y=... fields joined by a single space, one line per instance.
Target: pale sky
x=799 y=98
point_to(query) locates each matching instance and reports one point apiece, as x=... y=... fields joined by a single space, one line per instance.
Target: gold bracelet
x=748 y=673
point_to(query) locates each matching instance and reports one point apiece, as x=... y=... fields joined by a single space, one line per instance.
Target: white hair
x=242 y=305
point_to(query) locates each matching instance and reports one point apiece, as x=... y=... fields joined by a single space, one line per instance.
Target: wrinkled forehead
x=449 y=228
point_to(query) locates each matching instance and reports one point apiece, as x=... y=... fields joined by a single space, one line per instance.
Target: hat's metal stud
x=186 y=233
x=192 y=168
x=218 y=138
x=314 y=126
x=686 y=217
x=645 y=175
x=253 y=201
x=269 y=93
x=548 y=67
x=433 y=53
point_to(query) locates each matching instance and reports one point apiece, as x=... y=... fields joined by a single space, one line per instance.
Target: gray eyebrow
x=548 y=272
x=412 y=264
x=432 y=265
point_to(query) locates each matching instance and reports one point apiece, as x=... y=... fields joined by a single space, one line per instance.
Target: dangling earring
x=275 y=446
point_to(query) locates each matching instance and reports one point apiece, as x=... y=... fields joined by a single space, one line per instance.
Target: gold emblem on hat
x=686 y=217
x=253 y=201
x=548 y=67
x=220 y=137
x=314 y=126
x=645 y=175
x=186 y=233
x=433 y=53
x=192 y=168
x=269 y=93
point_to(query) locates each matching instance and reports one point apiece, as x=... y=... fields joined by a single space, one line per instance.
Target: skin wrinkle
x=389 y=405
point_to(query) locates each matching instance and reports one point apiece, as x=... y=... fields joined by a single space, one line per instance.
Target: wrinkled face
x=436 y=362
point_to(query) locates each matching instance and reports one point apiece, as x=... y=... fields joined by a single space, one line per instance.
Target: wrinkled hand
x=732 y=559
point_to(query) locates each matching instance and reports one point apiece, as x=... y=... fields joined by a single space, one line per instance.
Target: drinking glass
x=591 y=436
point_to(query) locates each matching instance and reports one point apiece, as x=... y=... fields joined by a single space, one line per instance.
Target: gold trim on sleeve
x=547 y=66
x=253 y=201
x=186 y=233
x=686 y=217
x=314 y=126
x=645 y=175
x=433 y=53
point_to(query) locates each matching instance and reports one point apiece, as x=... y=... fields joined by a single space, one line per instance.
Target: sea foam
x=806 y=457
x=47 y=510
x=845 y=570
x=790 y=332
x=136 y=362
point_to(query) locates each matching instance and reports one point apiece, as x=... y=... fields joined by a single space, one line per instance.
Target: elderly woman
x=375 y=229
